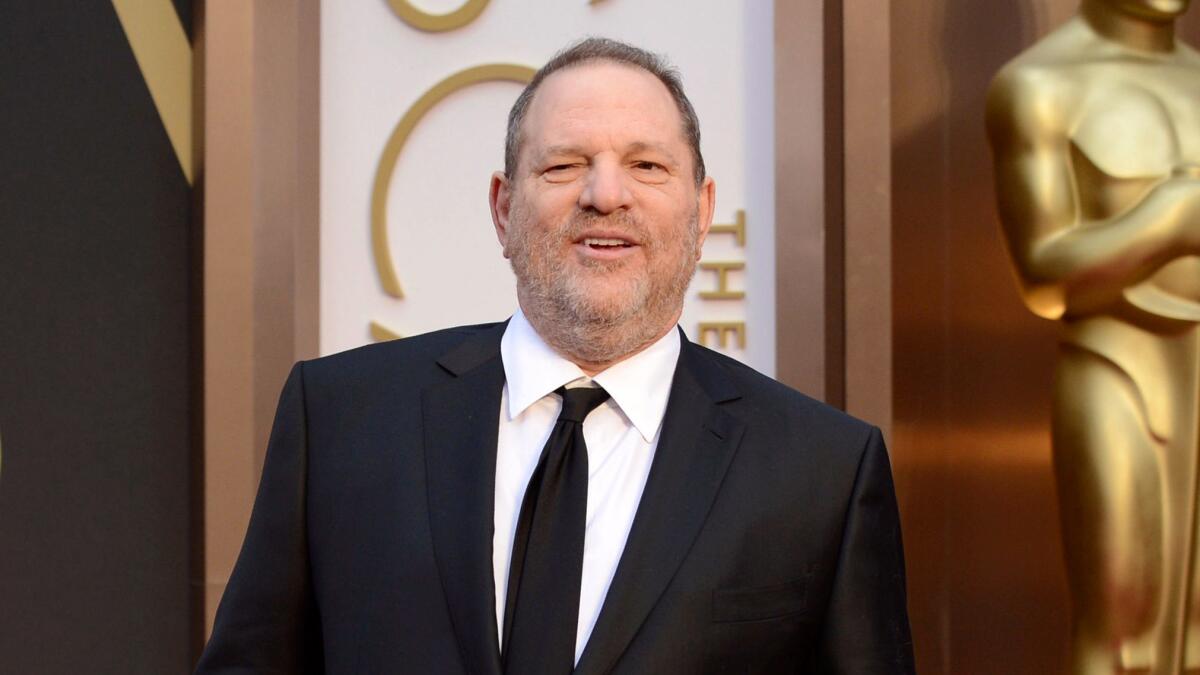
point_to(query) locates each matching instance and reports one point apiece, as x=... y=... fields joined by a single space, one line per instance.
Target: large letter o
x=395 y=143
x=437 y=23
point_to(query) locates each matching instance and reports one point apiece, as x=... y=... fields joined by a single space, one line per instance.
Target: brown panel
x=306 y=322
x=197 y=499
x=867 y=179
x=972 y=367
x=229 y=431
x=261 y=65
x=808 y=277
x=286 y=128
x=835 y=204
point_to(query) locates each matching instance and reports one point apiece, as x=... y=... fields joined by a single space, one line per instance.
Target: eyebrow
x=636 y=146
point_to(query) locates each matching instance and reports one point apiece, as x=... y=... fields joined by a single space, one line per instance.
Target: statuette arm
x=1069 y=263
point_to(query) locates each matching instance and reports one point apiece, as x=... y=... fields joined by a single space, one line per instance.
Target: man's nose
x=606 y=189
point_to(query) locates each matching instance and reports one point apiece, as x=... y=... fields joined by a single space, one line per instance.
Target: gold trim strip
x=164 y=56
x=395 y=143
x=437 y=23
x=381 y=333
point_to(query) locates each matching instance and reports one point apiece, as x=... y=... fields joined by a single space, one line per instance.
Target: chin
x=608 y=305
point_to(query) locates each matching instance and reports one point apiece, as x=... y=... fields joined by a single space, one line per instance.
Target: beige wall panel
x=972 y=367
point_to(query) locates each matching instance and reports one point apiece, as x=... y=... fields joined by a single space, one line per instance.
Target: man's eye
x=647 y=166
x=560 y=167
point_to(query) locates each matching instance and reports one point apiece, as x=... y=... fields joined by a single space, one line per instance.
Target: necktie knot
x=579 y=402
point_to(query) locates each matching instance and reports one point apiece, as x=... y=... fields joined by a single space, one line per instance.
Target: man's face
x=602 y=218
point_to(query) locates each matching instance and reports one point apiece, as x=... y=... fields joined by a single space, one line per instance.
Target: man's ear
x=706 y=203
x=500 y=199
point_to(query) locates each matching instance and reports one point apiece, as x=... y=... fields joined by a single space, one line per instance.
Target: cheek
x=548 y=199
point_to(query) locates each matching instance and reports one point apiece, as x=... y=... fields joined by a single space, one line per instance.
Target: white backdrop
x=374 y=67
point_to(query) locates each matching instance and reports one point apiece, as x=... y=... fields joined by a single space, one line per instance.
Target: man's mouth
x=605 y=243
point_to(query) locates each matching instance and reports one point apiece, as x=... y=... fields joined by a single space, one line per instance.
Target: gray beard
x=560 y=302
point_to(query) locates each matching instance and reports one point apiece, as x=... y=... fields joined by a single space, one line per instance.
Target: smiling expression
x=603 y=219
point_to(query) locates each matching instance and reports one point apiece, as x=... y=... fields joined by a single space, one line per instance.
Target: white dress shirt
x=621 y=437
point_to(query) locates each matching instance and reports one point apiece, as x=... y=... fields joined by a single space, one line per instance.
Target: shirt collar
x=640 y=385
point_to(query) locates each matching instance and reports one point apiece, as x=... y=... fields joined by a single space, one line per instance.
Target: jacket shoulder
x=762 y=396
x=413 y=358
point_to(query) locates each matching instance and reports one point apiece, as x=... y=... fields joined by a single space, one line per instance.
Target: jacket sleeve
x=866 y=627
x=267 y=621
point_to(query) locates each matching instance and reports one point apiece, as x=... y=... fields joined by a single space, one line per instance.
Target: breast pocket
x=732 y=605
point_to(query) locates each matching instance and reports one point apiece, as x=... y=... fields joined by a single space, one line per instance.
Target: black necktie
x=542 y=607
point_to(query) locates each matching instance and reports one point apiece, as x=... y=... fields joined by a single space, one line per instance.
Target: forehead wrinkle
x=561 y=149
x=617 y=135
x=641 y=146
x=574 y=112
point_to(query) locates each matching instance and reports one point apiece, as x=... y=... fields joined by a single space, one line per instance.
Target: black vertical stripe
x=94 y=348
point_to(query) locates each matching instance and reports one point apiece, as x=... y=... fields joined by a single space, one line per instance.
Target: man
x=437 y=504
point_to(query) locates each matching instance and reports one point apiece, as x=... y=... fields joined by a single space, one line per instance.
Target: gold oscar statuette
x=1095 y=133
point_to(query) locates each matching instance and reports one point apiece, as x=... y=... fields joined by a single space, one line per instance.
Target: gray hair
x=604 y=49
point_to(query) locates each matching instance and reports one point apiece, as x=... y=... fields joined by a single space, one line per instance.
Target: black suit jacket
x=766 y=540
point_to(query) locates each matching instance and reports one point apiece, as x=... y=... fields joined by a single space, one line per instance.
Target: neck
x=1144 y=32
x=600 y=359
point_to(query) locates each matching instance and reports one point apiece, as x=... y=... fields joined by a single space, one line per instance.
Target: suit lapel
x=460 y=430
x=697 y=443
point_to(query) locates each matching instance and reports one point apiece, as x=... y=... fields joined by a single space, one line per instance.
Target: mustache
x=628 y=225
